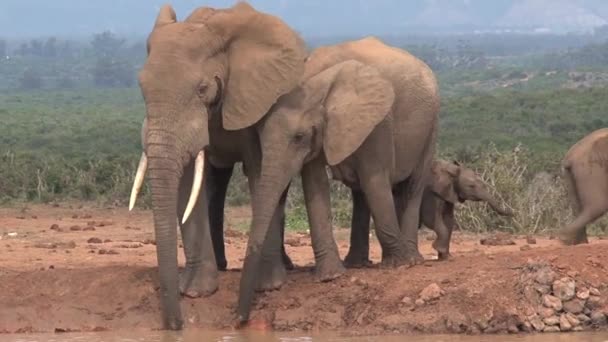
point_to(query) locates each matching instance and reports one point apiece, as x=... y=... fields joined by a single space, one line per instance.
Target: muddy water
x=206 y=336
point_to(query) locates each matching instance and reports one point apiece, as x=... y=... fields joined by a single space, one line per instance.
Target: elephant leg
x=273 y=273
x=576 y=232
x=379 y=196
x=442 y=242
x=286 y=259
x=450 y=223
x=328 y=265
x=358 y=253
x=411 y=195
x=216 y=186
x=200 y=276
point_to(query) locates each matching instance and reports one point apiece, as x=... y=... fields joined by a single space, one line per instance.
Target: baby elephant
x=451 y=183
x=585 y=172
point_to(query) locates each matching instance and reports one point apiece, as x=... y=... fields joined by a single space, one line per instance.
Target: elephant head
x=455 y=183
x=234 y=63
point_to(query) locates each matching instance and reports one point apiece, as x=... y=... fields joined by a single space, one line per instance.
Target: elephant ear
x=265 y=60
x=356 y=98
x=443 y=183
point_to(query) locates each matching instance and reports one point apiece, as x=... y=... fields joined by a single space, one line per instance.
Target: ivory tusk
x=199 y=165
x=139 y=179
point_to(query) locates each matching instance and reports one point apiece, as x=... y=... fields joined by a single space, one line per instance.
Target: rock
x=47 y=245
x=107 y=251
x=94 y=240
x=419 y=302
x=527 y=327
x=431 y=292
x=595 y=262
x=66 y=245
x=552 y=302
x=594 y=292
x=108 y=240
x=88 y=228
x=55 y=227
x=564 y=288
x=564 y=323
x=407 y=301
x=574 y=306
x=551 y=329
x=293 y=242
x=583 y=294
x=572 y=274
x=75 y=216
x=584 y=319
x=148 y=242
x=512 y=328
x=525 y=248
x=546 y=312
x=75 y=228
x=531 y=240
x=594 y=302
x=543 y=289
x=498 y=239
x=545 y=276
x=574 y=321
x=598 y=318
x=537 y=323
x=553 y=320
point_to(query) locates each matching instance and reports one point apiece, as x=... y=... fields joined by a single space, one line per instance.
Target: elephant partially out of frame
x=450 y=183
x=206 y=82
x=370 y=112
x=585 y=172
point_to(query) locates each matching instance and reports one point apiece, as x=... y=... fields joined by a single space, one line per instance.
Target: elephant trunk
x=164 y=176
x=267 y=193
x=497 y=207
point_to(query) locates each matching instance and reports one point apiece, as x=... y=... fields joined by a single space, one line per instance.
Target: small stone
x=527 y=327
x=407 y=301
x=66 y=245
x=564 y=288
x=512 y=328
x=543 y=289
x=55 y=227
x=564 y=323
x=552 y=302
x=587 y=311
x=584 y=319
x=583 y=294
x=531 y=240
x=553 y=320
x=47 y=245
x=108 y=240
x=545 y=276
x=537 y=323
x=34 y=217
x=595 y=262
x=88 y=228
x=75 y=216
x=551 y=329
x=572 y=274
x=594 y=292
x=431 y=292
x=594 y=302
x=574 y=321
x=574 y=306
x=293 y=242
x=75 y=228
x=546 y=312
x=94 y=240
x=598 y=318
x=419 y=302
x=525 y=248
x=86 y=216
x=579 y=328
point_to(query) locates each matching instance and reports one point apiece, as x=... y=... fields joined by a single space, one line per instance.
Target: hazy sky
x=19 y=18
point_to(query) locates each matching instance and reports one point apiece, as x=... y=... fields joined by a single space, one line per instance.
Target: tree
x=30 y=80
x=106 y=44
x=111 y=72
x=50 y=47
x=3 y=48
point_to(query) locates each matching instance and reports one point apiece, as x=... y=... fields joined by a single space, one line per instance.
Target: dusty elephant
x=206 y=82
x=450 y=183
x=585 y=173
x=369 y=111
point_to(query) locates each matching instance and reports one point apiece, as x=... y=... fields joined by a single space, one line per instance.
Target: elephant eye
x=298 y=137
x=202 y=89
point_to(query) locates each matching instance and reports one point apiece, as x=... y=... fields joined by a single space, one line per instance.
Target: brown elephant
x=206 y=82
x=450 y=183
x=369 y=111
x=585 y=172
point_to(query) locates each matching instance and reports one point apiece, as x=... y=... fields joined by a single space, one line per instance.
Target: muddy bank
x=86 y=269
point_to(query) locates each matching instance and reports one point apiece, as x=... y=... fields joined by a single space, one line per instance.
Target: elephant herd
x=237 y=85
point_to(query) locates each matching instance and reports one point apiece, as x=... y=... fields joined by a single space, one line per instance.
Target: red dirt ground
x=59 y=280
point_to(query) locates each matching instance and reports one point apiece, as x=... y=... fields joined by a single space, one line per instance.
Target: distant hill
x=311 y=17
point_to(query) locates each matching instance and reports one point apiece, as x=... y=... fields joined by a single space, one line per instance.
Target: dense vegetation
x=71 y=115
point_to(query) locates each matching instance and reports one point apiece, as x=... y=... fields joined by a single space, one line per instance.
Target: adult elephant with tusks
x=206 y=82
x=369 y=111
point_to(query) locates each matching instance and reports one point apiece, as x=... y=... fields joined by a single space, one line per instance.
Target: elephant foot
x=272 y=277
x=199 y=281
x=329 y=269
x=442 y=252
x=222 y=265
x=173 y=322
x=407 y=259
x=356 y=260
x=287 y=262
x=570 y=239
x=443 y=256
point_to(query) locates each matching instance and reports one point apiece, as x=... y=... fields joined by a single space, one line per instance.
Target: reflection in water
x=252 y=336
